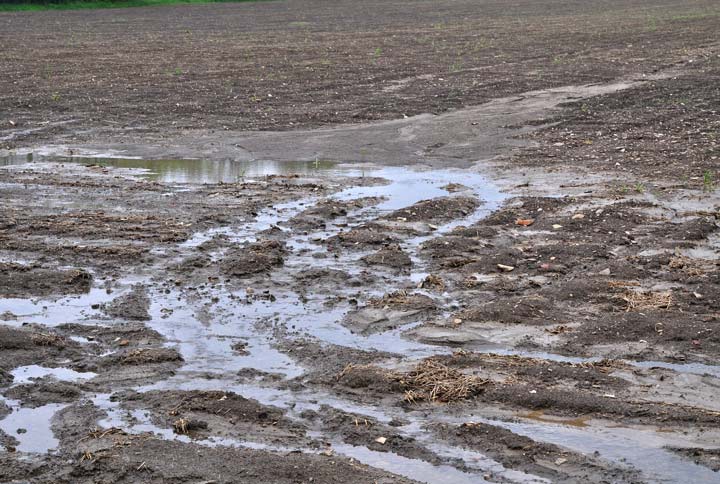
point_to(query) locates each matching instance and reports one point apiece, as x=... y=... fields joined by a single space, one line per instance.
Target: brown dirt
x=605 y=247
x=18 y=280
x=361 y=62
x=435 y=210
x=131 y=306
x=258 y=257
x=390 y=256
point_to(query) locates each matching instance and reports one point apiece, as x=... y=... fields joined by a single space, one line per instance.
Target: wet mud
x=521 y=287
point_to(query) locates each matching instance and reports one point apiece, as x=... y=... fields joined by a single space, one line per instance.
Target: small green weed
x=708 y=181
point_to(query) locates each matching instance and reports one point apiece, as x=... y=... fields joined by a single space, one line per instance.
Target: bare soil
x=476 y=242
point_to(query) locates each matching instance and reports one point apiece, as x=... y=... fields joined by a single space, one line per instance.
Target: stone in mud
x=436 y=210
x=254 y=258
x=131 y=306
x=390 y=256
x=18 y=280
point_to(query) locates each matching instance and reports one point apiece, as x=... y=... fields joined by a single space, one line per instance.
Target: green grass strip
x=88 y=4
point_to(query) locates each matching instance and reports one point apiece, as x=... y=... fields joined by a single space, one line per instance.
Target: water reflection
x=185 y=170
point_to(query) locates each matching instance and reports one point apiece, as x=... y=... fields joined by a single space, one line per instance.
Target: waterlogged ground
x=495 y=261
x=319 y=321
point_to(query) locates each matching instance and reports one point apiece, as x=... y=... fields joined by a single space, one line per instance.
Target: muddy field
x=448 y=241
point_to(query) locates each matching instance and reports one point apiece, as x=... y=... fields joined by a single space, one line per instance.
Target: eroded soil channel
x=339 y=322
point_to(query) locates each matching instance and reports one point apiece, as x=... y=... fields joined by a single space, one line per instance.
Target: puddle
x=417 y=470
x=26 y=374
x=31 y=426
x=540 y=416
x=641 y=449
x=180 y=171
x=55 y=311
x=476 y=460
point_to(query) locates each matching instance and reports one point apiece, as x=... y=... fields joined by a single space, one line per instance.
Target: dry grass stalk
x=604 y=366
x=642 y=300
x=691 y=267
x=48 y=339
x=150 y=355
x=181 y=426
x=396 y=298
x=352 y=367
x=433 y=282
x=559 y=329
x=614 y=284
x=97 y=433
x=433 y=381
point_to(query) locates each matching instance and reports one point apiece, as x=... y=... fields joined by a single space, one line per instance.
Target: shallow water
x=26 y=374
x=180 y=171
x=31 y=426
x=206 y=343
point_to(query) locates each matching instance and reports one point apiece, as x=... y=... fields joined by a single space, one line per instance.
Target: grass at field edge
x=95 y=4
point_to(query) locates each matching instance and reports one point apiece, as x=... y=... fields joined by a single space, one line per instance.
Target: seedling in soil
x=708 y=182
